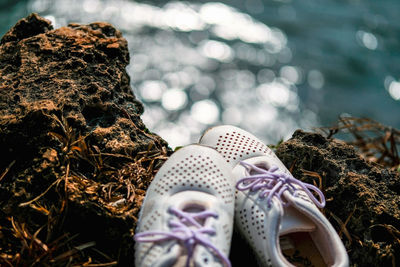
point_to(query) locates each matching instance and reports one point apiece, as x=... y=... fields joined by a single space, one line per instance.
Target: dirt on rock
x=77 y=158
x=363 y=198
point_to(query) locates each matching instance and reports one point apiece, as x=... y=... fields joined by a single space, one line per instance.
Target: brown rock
x=363 y=199
x=73 y=144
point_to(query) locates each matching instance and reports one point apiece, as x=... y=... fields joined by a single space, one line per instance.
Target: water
x=267 y=66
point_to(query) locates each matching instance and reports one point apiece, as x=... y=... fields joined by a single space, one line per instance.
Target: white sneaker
x=276 y=213
x=187 y=215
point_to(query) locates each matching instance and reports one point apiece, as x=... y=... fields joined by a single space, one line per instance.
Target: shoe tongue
x=295 y=221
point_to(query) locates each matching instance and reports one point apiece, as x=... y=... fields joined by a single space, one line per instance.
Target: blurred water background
x=269 y=67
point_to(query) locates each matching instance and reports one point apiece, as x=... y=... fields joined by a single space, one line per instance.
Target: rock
x=77 y=158
x=73 y=145
x=363 y=199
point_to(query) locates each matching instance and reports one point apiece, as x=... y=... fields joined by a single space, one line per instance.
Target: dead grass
x=378 y=144
x=375 y=142
x=118 y=189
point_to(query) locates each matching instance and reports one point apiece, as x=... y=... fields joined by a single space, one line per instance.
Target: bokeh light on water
x=199 y=64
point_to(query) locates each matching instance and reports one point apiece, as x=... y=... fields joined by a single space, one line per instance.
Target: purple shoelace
x=274 y=182
x=189 y=237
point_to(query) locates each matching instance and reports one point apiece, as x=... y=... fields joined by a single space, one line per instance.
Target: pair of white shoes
x=187 y=215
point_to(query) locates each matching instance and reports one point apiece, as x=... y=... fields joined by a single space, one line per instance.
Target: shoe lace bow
x=188 y=231
x=273 y=182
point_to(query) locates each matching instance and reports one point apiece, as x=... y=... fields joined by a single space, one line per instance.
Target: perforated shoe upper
x=260 y=221
x=194 y=179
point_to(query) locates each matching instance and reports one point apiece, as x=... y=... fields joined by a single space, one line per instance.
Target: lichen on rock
x=77 y=158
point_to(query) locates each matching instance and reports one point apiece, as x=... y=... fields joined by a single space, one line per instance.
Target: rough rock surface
x=76 y=155
x=77 y=158
x=363 y=199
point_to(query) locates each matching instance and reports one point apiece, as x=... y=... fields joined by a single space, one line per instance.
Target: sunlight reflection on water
x=393 y=87
x=269 y=66
x=197 y=65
